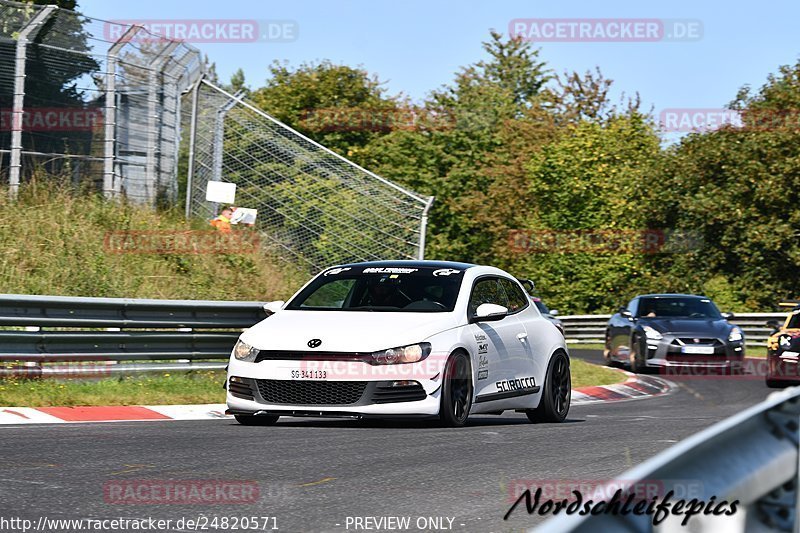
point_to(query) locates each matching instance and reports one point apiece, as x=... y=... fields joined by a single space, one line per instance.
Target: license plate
x=309 y=374
x=699 y=350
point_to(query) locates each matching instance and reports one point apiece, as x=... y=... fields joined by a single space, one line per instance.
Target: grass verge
x=203 y=386
x=586 y=374
x=181 y=388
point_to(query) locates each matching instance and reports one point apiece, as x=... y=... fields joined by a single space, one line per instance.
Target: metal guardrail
x=751 y=457
x=153 y=329
x=590 y=329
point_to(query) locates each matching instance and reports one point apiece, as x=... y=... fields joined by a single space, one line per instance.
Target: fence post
x=192 y=138
x=110 y=114
x=18 y=108
x=153 y=144
x=423 y=227
x=219 y=137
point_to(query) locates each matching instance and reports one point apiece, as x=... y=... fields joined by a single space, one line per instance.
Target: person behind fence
x=223 y=221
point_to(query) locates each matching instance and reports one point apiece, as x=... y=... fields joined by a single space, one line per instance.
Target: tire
x=557 y=393
x=775 y=383
x=456 y=398
x=260 y=420
x=637 y=364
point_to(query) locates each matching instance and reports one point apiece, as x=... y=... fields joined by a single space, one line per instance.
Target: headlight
x=736 y=334
x=652 y=333
x=404 y=354
x=244 y=352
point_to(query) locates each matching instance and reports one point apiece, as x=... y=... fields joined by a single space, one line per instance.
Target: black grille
x=241 y=389
x=385 y=393
x=689 y=341
x=311 y=392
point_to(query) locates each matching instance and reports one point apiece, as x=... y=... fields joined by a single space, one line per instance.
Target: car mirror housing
x=273 y=307
x=554 y=312
x=727 y=316
x=489 y=313
x=625 y=313
x=774 y=324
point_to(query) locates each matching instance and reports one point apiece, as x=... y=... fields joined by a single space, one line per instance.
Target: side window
x=517 y=300
x=633 y=307
x=487 y=291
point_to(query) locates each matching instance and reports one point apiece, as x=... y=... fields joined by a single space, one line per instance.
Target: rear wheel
x=456 y=399
x=256 y=420
x=554 y=405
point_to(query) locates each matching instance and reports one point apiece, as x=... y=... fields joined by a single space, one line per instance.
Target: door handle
x=522 y=336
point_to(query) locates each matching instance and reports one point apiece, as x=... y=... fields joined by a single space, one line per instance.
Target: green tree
x=338 y=106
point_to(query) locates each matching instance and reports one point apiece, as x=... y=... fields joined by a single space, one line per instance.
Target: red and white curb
x=637 y=386
x=115 y=413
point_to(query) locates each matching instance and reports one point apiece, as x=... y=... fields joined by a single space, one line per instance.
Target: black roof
x=412 y=264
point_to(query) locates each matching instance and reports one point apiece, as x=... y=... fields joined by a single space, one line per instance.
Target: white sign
x=221 y=192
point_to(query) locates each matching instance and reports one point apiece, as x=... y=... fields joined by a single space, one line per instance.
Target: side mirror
x=554 y=312
x=626 y=314
x=489 y=313
x=727 y=316
x=273 y=307
x=774 y=324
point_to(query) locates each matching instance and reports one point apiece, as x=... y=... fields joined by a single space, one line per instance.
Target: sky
x=415 y=46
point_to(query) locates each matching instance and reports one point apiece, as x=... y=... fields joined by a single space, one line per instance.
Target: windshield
x=677 y=307
x=394 y=289
x=794 y=321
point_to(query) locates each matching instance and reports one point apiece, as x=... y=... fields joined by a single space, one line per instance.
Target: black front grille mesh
x=311 y=392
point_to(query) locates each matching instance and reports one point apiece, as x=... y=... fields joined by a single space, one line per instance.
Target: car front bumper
x=337 y=388
x=671 y=351
x=783 y=365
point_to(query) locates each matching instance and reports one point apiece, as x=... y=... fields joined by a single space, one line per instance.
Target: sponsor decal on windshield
x=334 y=271
x=445 y=272
x=389 y=270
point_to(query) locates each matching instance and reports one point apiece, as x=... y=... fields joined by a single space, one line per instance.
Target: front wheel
x=456 y=399
x=554 y=405
x=638 y=365
x=252 y=420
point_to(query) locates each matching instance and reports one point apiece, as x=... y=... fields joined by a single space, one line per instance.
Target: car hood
x=345 y=331
x=690 y=326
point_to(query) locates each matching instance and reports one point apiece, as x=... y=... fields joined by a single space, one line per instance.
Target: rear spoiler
x=789 y=303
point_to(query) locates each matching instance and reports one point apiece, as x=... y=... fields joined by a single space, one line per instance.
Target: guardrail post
x=110 y=185
x=18 y=107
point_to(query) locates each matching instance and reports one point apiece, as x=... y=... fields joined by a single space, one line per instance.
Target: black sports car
x=673 y=330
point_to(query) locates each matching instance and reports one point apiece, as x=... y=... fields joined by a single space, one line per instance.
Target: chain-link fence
x=92 y=101
x=312 y=203
x=112 y=107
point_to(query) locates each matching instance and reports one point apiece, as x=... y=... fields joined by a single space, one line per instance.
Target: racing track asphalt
x=313 y=474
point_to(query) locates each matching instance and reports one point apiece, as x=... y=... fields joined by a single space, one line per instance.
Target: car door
x=536 y=339
x=499 y=345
